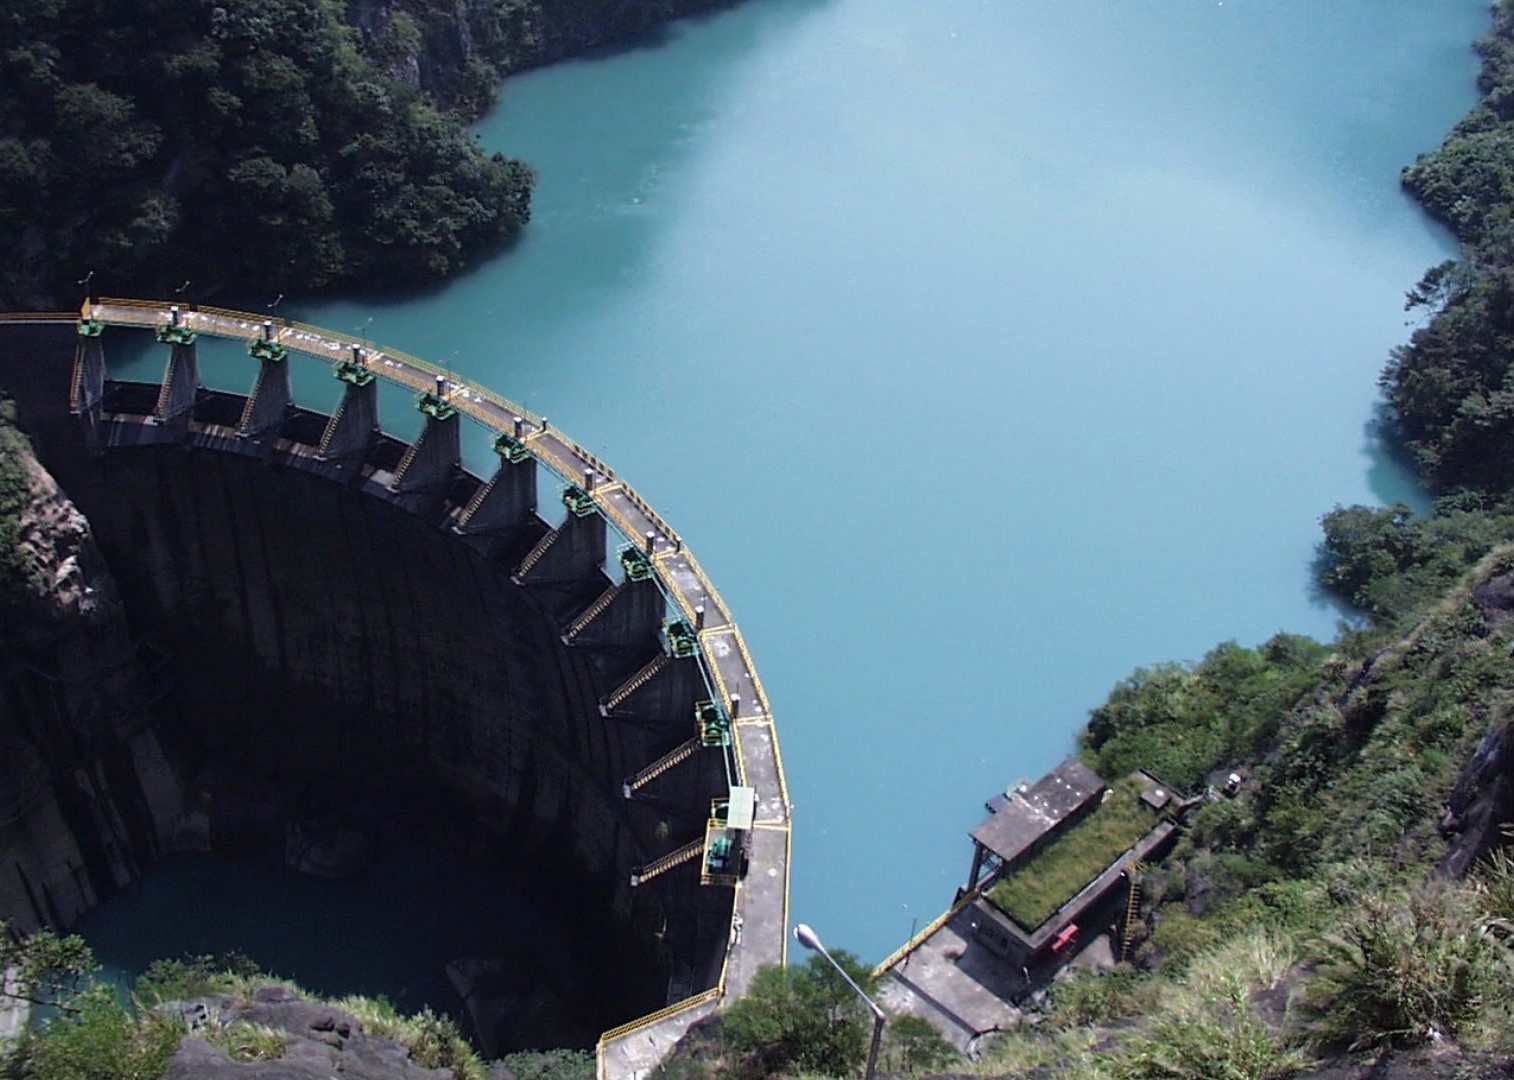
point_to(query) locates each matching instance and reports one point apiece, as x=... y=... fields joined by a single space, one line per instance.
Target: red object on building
x=1064 y=939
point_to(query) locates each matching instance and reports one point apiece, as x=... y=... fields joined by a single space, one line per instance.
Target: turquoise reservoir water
x=982 y=349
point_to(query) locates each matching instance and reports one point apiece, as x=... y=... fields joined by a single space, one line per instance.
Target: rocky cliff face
x=87 y=798
x=53 y=540
x=1481 y=806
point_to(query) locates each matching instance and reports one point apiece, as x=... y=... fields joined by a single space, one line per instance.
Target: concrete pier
x=500 y=517
x=508 y=499
x=663 y=692
x=436 y=455
x=87 y=386
x=268 y=404
x=626 y=618
x=181 y=376
x=354 y=425
x=574 y=551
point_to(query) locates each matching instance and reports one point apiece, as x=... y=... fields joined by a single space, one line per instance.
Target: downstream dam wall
x=323 y=652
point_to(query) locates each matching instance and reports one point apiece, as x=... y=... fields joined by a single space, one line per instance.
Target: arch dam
x=322 y=594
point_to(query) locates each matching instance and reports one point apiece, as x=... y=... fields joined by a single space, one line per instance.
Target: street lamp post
x=811 y=940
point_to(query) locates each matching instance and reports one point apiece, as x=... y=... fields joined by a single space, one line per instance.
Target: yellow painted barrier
x=661 y=1014
x=930 y=928
x=114 y=301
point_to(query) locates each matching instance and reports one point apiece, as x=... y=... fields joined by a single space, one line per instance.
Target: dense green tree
x=1180 y=722
x=46 y=969
x=245 y=142
x=1390 y=562
x=1451 y=387
x=265 y=144
x=801 y=1018
x=913 y=1046
x=97 y=1040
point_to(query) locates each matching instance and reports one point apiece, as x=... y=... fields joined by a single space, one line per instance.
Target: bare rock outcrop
x=321 y=1042
x=1481 y=804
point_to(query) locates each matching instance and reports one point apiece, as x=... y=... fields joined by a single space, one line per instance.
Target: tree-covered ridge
x=265 y=145
x=1451 y=388
x=245 y=142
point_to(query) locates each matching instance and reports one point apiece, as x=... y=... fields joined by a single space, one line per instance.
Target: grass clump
x=97 y=1039
x=1208 y=1032
x=433 y=1039
x=1493 y=890
x=435 y=1042
x=1406 y=969
x=550 y=1064
x=377 y=1014
x=1089 y=997
x=1023 y=1052
x=1031 y=892
x=247 y=1042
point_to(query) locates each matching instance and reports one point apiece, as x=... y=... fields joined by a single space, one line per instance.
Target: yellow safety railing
x=38 y=316
x=116 y=301
x=712 y=994
x=930 y=928
x=740 y=778
x=788 y=854
x=783 y=784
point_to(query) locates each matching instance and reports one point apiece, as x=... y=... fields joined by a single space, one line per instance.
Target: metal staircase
x=593 y=611
x=536 y=554
x=637 y=681
x=676 y=756
x=477 y=500
x=1132 y=907
x=688 y=853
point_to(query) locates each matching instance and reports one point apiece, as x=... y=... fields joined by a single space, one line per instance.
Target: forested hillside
x=1451 y=388
x=263 y=145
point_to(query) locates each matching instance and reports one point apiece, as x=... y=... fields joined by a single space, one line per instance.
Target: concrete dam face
x=316 y=628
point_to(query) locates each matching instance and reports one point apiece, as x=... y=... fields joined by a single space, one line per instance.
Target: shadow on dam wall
x=328 y=667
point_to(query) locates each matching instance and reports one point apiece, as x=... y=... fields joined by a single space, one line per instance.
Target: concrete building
x=1031 y=816
x=969 y=970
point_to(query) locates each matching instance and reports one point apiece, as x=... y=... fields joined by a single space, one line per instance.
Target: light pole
x=811 y=940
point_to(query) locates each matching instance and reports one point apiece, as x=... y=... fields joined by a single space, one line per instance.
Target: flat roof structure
x=1035 y=810
x=742 y=808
